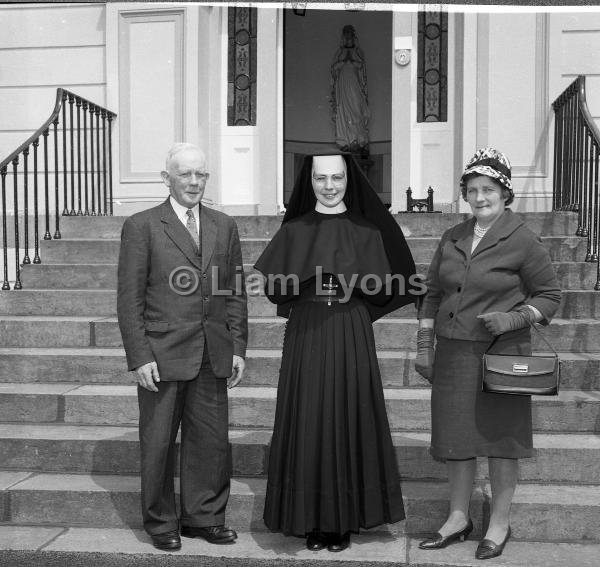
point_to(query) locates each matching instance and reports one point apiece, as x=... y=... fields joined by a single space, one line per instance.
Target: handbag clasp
x=523 y=368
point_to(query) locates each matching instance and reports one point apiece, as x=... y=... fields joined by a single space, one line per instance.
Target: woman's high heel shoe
x=438 y=541
x=488 y=549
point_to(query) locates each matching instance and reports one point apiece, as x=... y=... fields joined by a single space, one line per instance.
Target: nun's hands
x=425 y=353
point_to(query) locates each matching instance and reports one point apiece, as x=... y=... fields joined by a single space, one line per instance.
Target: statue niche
x=349 y=100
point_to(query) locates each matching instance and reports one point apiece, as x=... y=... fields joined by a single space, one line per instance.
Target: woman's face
x=484 y=194
x=329 y=179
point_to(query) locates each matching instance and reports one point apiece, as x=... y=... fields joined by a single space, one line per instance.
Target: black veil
x=361 y=199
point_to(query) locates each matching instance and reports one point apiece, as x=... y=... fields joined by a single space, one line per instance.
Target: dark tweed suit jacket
x=158 y=323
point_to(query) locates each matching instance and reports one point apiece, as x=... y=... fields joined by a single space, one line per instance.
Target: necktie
x=192 y=227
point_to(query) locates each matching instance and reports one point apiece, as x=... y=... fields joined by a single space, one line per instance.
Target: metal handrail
x=61 y=96
x=577 y=165
x=77 y=142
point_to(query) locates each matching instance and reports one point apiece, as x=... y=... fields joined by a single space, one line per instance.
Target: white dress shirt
x=181 y=213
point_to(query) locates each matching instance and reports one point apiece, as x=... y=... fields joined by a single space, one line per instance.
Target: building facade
x=169 y=72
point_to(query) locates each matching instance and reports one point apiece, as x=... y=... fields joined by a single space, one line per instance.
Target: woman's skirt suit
x=509 y=267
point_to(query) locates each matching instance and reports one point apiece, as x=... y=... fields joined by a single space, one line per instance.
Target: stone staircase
x=69 y=486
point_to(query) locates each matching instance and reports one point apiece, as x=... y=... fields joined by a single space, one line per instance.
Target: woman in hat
x=490 y=275
x=332 y=465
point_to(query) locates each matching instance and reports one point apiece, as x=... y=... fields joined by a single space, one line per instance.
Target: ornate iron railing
x=76 y=121
x=576 y=163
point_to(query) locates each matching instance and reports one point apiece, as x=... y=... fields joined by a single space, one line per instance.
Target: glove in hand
x=498 y=323
x=425 y=354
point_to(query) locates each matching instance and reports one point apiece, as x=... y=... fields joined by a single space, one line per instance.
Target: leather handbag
x=521 y=375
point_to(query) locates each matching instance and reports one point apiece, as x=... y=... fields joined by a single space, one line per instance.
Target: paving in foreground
x=88 y=547
x=69 y=463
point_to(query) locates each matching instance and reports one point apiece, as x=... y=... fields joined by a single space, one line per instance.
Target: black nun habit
x=352 y=245
x=332 y=465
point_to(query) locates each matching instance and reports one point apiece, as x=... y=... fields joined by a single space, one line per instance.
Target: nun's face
x=329 y=179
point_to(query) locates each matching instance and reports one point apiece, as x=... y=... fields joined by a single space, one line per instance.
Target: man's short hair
x=179 y=147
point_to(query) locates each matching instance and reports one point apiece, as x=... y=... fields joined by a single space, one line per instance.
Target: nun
x=338 y=263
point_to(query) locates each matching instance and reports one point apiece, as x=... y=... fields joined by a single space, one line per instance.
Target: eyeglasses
x=337 y=179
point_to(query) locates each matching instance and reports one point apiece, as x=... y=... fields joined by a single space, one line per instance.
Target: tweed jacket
x=209 y=307
x=509 y=267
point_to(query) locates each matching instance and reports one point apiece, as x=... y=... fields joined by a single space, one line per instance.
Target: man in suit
x=184 y=325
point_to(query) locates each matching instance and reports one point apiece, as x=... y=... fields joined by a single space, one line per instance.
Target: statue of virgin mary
x=349 y=101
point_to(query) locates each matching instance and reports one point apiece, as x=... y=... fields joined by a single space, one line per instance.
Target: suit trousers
x=200 y=406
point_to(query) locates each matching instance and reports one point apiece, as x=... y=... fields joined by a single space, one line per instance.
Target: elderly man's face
x=329 y=179
x=186 y=177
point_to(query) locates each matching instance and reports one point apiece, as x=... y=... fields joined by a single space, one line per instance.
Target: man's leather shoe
x=337 y=542
x=316 y=541
x=212 y=534
x=168 y=540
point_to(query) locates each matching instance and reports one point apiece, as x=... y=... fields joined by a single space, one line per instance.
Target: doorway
x=312 y=43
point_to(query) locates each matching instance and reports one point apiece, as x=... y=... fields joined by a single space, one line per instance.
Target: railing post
x=110 y=179
x=18 y=284
x=64 y=136
x=572 y=137
x=47 y=235
x=596 y=211
x=556 y=154
x=92 y=186
x=79 y=211
x=596 y=237
x=104 y=162
x=85 y=167
x=579 y=170
x=97 y=112
x=5 y=284
x=36 y=256
x=72 y=154
x=584 y=184
x=56 y=190
x=26 y=259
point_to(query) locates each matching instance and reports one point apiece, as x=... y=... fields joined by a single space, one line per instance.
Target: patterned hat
x=493 y=163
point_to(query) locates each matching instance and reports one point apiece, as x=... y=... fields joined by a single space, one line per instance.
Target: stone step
x=254 y=407
x=25 y=546
x=571 y=275
x=106 y=251
x=97 y=449
x=58 y=302
x=70 y=276
x=570 y=335
x=539 y=512
x=262 y=226
x=575 y=304
x=108 y=366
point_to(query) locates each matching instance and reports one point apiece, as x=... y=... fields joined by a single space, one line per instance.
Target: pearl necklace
x=479 y=231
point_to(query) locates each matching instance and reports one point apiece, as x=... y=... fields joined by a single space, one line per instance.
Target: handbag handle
x=532 y=325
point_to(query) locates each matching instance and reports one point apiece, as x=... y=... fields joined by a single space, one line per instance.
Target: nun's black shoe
x=337 y=542
x=438 y=541
x=488 y=549
x=316 y=541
